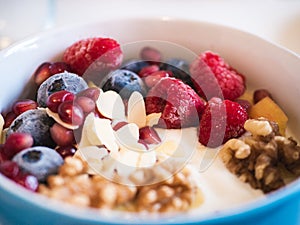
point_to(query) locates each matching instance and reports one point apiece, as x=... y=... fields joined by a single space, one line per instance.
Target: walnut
x=262 y=158
x=73 y=185
x=178 y=193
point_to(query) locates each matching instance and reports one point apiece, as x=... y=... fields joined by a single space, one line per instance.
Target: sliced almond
x=55 y=116
x=110 y=105
x=93 y=155
x=152 y=119
x=88 y=135
x=105 y=133
x=128 y=137
x=1 y=127
x=136 y=109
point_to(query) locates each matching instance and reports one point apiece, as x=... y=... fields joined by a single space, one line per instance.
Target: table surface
x=274 y=20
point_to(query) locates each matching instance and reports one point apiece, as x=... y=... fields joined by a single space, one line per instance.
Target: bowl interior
x=264 y=64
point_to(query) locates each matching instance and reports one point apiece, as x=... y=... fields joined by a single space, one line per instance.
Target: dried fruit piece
x=267 y=108
x=260 y=94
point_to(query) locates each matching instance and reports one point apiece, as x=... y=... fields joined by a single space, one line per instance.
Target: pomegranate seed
x=66 y=151
x=47 y=69
x=28 y=181
x=16 y=142
x=61 y=135
x=92 y=93
x=59 y=67
x=245 y=104
x=42 y=73
x=3 y=156
x=9 y=169
x=149 y=135
x=71 y=113
x=87 y=104
x=147 y=70
x=143 y=142
x=119 y=125
x=23 y=105
x=260 y=94
x=150 y=54
x=55 y=99
x=99 y=115
x=9 y=118
x=153 y=78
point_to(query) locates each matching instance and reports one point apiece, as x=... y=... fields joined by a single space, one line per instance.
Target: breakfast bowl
x=264 y=65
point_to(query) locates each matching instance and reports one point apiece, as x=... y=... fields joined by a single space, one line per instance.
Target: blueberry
x=179 y=68
x=124 y=82
x=62 y=81
x=134 y=65
x=35 y=122
x=39 y=161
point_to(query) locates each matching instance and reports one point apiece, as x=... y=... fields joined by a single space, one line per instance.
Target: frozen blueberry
x=35 y=122
x=134 y=65
x=39 y=161
x=179 y=68
x=62 y=81
x=124 y=82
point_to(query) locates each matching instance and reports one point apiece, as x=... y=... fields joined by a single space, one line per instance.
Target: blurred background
x=275 y=20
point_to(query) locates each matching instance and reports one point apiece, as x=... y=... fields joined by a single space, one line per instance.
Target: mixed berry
x=206 y=93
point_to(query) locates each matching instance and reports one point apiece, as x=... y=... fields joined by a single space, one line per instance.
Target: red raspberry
x=213 y=77
x=97 y=54
x=221 y=120
x=179 y=103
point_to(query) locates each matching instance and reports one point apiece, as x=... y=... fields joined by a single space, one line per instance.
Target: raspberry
x=221 y=121
x=179 y=103
x=213 y=77
x=97 y=54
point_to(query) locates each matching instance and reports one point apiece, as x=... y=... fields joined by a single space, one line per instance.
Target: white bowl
x=265 y=65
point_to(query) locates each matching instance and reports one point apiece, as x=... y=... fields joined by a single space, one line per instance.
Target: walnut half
x=263 y=158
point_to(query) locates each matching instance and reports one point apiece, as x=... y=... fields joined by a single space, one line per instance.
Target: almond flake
x=105 y=133
x=152 y=119
x=111 y=105
x=136 y=109
x=88 y=134
x=128 y=136
x=55 y=116
x=93 y=155
x=1 y=126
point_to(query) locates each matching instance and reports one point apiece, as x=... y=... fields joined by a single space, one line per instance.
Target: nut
x=73 y=185
x=262 y=158
x=179 y=193
x=258 y=127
